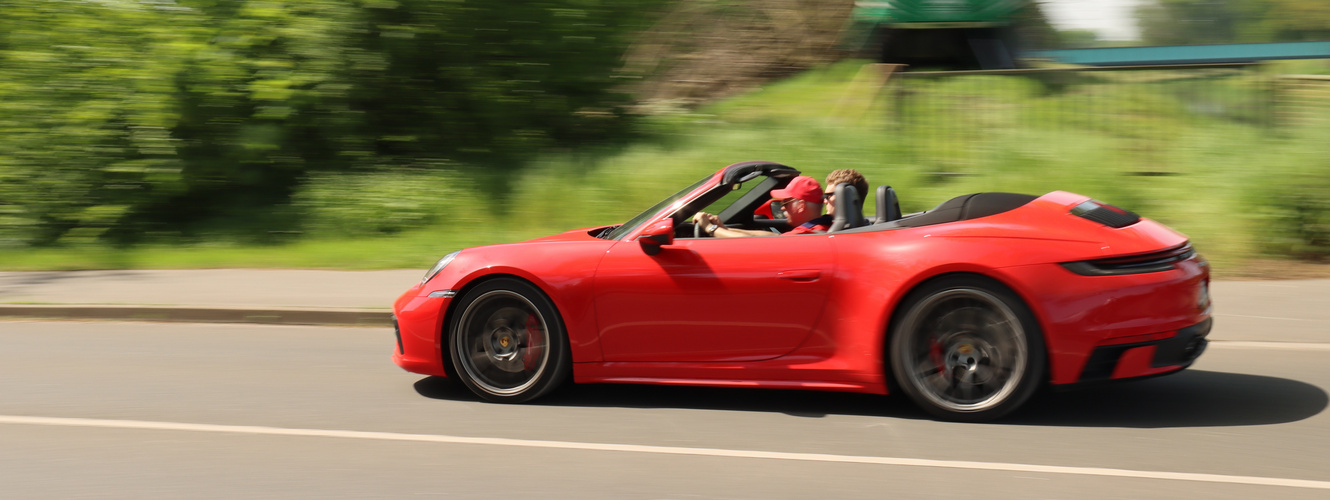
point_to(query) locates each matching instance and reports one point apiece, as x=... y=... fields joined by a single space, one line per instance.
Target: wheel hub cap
x=502 y=346
x=970 y=354
x=964 y=360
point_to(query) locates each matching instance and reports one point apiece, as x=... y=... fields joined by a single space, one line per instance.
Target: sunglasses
x=778 y=207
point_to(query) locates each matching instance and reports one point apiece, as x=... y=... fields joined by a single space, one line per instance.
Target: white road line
x=1283 y=346
x=665 y=450
x=1260 y=317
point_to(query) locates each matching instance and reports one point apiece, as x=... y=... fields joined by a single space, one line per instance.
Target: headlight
x=438 y=266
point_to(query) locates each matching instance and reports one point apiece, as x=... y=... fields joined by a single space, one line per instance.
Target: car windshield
x=628 y=227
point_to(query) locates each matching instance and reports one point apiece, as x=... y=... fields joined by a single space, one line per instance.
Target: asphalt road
x=143 y=410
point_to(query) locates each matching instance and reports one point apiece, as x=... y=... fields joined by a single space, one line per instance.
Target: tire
x=507 y=342
x=966 y=348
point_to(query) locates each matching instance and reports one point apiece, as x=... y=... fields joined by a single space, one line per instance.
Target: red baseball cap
x=802 y=188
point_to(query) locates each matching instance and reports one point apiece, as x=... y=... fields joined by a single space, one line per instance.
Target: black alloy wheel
x=966 y=348
x=507 y=342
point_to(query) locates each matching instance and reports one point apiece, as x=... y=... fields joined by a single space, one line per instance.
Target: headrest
x=888 y=206
x=849 y=211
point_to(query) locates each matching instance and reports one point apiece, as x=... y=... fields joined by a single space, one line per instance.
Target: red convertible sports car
x=967 y=308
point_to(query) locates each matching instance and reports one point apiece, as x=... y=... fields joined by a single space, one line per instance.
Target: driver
x=800 y=200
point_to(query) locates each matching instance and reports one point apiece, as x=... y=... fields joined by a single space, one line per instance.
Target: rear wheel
x=507 y=342
x=966 y=348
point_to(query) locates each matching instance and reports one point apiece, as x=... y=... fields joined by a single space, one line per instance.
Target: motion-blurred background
x=383 y=133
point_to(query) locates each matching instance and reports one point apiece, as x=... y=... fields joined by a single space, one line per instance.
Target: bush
x=1297 y=214
x=201 y=116
x=1291 y=199
x=387 y=202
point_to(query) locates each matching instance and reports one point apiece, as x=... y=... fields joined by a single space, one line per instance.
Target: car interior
x=747 y=187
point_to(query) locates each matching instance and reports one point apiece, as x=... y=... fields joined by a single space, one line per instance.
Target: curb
x=187 y=314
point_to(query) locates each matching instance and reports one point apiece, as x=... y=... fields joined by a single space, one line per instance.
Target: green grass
x=1215 y=178
x=416 y=249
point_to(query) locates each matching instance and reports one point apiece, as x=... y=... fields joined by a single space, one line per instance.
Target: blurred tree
x=1296 y=20
x=1075 y=39
x=1033 y=29
x=120 y=119
x=485 y=81
x=1180 y=22
x=85 y=114
x=1183 y=22
x=261 y=100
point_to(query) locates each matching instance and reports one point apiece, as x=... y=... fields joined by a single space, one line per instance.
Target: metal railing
x=1303 y=100
x=955 y=120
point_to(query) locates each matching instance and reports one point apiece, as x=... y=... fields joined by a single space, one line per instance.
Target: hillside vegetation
x=1242 y=191
x=359 y=134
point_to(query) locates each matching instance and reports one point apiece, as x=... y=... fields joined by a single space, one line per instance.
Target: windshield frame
x=671 y=203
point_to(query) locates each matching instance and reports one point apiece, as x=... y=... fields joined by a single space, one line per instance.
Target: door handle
x=800 y=275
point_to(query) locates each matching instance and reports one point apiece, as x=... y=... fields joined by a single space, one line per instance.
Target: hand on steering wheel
x=699 y=220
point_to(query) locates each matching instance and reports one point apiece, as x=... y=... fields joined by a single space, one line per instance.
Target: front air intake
x=1105 y=214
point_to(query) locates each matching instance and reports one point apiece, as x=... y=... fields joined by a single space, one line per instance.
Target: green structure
x=970 y=12
x=959 y=34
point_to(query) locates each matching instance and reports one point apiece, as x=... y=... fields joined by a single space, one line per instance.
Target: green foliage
x=85 y=111
x=1185 y=22
x=388 y=202
x=494 y=81
x=1079 y=38
x=129 y=121
x=1202 y=162
x=1291 y=196
x=1189 y=149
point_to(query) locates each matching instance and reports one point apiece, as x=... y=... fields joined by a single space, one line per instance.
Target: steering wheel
x=697 y=228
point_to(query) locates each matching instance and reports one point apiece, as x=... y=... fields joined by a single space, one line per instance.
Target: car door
x=712 y=299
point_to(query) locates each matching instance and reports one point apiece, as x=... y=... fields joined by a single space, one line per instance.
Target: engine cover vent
x=1105 y=214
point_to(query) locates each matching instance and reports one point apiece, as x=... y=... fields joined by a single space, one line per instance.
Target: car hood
x=583 y=234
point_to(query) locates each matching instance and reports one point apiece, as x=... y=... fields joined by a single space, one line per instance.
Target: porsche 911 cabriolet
x=967 y=308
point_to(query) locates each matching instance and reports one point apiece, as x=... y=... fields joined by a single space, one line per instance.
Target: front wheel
x=966 y=348
x=507 y=342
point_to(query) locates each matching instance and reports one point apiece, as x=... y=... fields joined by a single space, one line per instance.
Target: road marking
x=665 y=450
x=1260 y=317
x=1284 y=346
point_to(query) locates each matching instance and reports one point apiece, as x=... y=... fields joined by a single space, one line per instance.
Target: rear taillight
x=1153 y=262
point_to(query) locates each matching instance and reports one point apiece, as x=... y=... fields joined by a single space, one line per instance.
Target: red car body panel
x=711 y=300
x=814 y=311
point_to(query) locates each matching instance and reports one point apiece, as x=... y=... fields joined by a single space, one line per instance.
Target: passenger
x=848 y=176
x=822 y=224
x=800 y=200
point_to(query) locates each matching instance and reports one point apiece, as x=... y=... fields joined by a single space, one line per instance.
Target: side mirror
x=657 y=235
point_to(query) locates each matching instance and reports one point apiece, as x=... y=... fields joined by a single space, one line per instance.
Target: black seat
x=888 y=206
x=849 y=208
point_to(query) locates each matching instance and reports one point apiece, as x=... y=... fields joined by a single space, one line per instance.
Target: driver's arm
x=712 y=226
x=725 y=232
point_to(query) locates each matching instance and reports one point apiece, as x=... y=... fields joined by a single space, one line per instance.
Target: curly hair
x=851 y=176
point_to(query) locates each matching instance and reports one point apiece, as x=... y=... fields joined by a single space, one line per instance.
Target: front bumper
x=397 y=331
x=418 y=326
